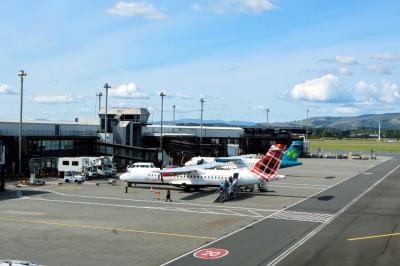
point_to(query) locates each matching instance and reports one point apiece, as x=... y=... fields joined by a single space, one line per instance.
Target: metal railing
x=49 y=133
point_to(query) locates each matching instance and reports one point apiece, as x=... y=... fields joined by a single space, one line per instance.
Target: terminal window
x=2 y=154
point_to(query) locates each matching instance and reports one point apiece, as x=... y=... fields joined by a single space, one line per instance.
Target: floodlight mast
x=21 y=74
x=202 y=101
x=162 y=94
x=106 y=86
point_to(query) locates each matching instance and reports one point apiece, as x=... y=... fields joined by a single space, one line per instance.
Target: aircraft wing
x=235 y=158
x=188 y=169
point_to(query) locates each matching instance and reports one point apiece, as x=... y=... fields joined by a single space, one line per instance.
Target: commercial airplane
x=203 y=176
x=289 y=159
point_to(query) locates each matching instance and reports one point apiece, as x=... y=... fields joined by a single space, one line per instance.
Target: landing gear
x=263 y=187
x=187 y=189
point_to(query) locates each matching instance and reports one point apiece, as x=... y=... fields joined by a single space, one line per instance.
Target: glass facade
x=43 y=166
x=51 y=145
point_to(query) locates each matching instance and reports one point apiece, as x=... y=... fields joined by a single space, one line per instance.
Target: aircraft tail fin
x=293 y=152
x=267 y=167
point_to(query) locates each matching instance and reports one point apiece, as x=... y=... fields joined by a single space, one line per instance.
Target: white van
x=73 y=177
x=77 y=164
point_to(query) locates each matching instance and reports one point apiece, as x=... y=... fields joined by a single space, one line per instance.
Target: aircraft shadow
x=325 y=197
x=199 y=194
x=12 y=194
x=247 y=195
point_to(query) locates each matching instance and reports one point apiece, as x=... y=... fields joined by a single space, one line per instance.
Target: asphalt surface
x=363 y=235
x=91 y=224
x=268 y=241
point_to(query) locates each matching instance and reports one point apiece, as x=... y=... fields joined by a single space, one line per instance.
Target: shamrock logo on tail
x=292 y=154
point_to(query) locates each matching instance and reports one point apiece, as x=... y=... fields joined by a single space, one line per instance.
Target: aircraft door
x=236 y=177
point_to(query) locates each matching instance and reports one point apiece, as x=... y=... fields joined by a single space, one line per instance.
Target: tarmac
x=93 y=224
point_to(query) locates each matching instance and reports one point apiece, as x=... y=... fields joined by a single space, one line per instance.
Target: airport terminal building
x=129 y=138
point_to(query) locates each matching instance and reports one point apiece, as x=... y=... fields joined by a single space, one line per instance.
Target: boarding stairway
x=228 y=193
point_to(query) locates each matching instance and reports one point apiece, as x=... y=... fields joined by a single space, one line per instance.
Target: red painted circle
x=211 y=253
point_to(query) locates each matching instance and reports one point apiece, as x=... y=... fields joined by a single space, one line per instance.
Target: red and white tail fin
x=267 y=167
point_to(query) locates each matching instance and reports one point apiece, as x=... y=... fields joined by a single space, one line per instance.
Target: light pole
x=307 y=143
x=267 y=116
x=173 y=117
x=106 y=86
x=173 y=114
x=99 y=96
x=22 y=74
x=162 y=94
x=201 y=120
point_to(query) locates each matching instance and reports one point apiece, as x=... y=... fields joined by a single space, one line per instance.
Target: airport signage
x=211 y=253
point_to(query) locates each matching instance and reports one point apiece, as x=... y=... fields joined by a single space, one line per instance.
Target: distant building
x=46 y=139
x=124 y=125
x=131 y=138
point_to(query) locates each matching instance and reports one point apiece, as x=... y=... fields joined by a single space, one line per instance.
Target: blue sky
x=242 y=56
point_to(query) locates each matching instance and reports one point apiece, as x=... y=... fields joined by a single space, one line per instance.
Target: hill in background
x=388 y=121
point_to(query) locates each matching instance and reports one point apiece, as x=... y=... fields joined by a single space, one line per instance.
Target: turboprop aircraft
x=289 y=159
x=206 y=175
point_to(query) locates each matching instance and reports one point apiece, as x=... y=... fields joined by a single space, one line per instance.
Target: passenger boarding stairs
x=228 y=193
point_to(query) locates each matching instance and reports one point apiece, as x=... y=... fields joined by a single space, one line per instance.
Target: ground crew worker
x=126 y=187
x=221 y=187
x=226 y=185
x=168 y=196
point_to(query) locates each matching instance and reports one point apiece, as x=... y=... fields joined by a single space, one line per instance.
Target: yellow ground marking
x=16 y=212
x=373 y=236
x=69 y=187
x=102 y=228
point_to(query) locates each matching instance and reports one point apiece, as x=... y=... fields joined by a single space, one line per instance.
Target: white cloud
x=344 y=71
x=386 y=56
x=390 y=92
x=183 y=95
x=324 y=89
x=247 y=6
x=129 y=90
x=341 y=59
x=369 y=94
x=346 y=60
x=57 y=99
x=259 y=107
x=6 y=89
x=179 y=95
x=347 y=110
x=365 y=88
x=119 y=105
x=341 y=71
x=136 y=9
x=197 y=7
x=380 y=69
x=255 y=6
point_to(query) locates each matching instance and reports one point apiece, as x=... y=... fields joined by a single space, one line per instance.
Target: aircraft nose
x=123 y=176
